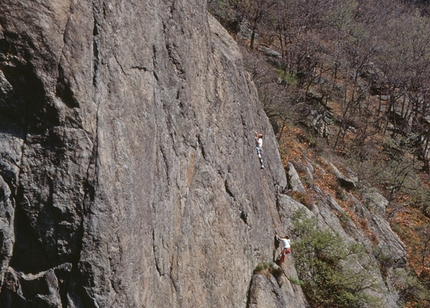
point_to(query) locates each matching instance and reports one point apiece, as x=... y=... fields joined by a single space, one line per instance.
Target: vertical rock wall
x=128 y=172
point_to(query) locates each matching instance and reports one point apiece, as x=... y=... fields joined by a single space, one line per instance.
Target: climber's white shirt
x=260 y=142
x=285 y=243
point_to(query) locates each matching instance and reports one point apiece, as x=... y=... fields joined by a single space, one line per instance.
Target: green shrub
x=287 y=76
x=413 y=293
x=319 y=257
x=267 y=269
x=259 y=268
x=296 y=281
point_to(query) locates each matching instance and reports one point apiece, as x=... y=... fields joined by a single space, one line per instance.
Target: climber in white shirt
x=286 y=247
x=259 y=147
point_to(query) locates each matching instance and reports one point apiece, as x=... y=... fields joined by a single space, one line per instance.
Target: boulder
x=294 y=182
x=344 y=181
x=265 y=292
x=375 y=202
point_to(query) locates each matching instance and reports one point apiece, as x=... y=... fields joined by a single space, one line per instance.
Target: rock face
x=265 y=292
x=128 y=172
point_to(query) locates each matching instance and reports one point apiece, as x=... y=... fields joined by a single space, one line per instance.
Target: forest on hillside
x=352 y=78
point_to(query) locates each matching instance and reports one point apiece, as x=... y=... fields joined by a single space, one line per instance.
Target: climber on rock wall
x=259 y=147
x=286 y=247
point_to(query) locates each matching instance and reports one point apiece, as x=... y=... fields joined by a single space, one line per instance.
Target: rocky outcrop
x=294 y=182
x=357 y=222
x=265 y=292
x=128 y=172
x=345 y=182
